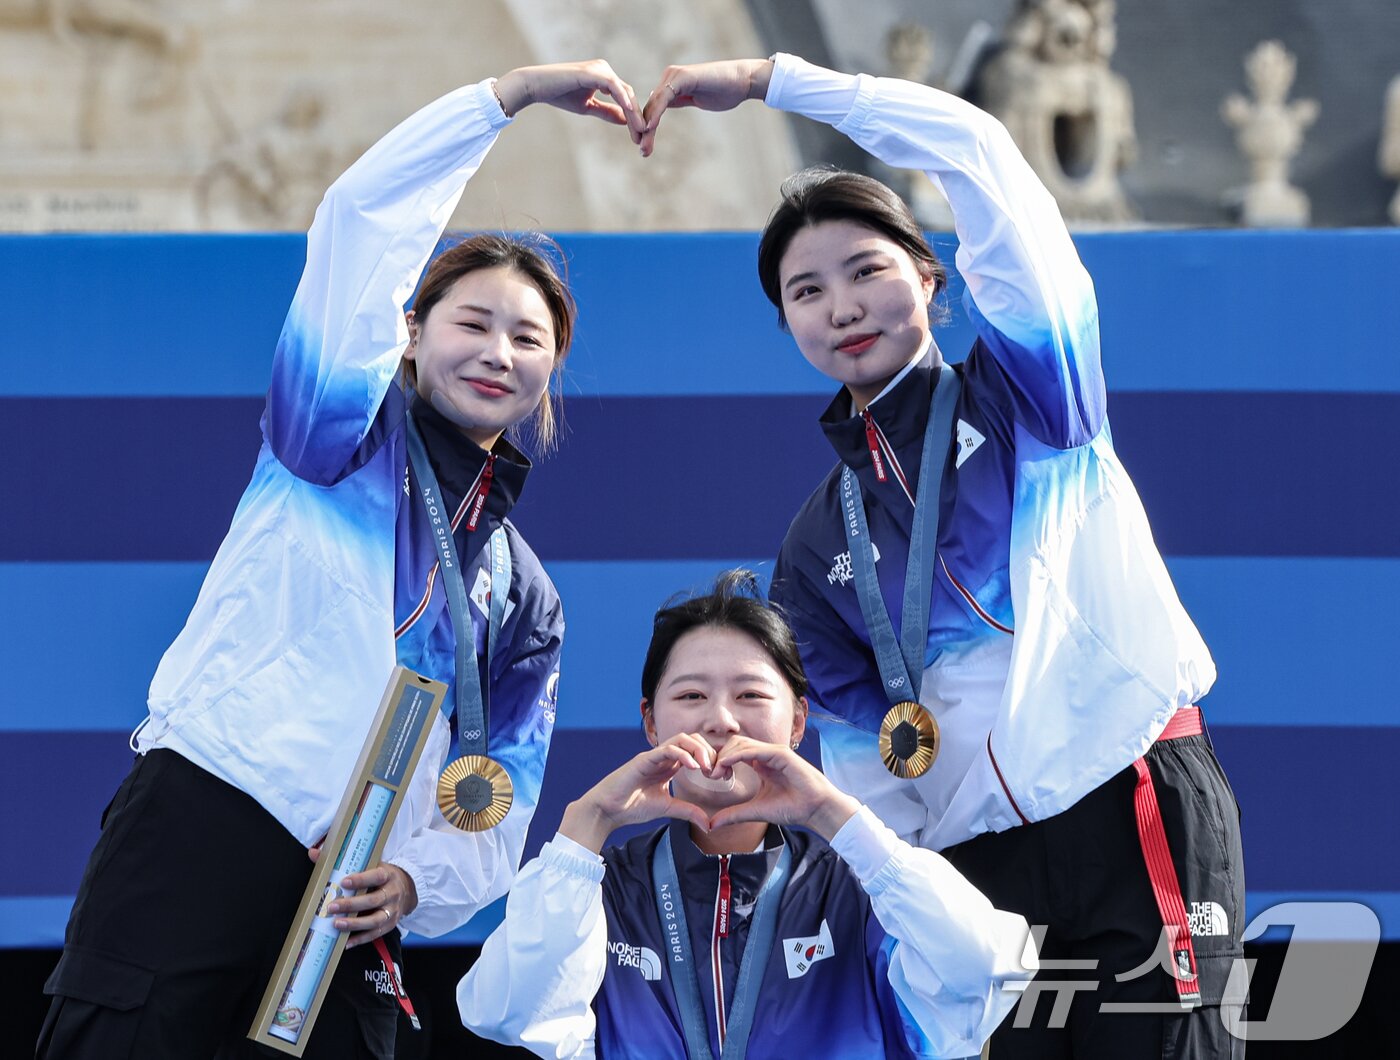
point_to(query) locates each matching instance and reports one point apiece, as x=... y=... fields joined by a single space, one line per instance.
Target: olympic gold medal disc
x=908 y=740
x=474 y=793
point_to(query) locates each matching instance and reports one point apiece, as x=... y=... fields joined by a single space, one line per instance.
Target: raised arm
x=1027 y=291
x=374 y=231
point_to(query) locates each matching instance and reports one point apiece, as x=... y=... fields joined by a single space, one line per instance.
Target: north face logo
x=842 y=572
x=1207 y=918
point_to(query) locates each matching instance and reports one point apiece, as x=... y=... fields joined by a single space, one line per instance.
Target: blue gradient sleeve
x=373 y=233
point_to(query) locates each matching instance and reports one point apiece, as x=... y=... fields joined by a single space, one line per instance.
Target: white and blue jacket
x=328 y=575
x=1057 y=648
x=880 y=950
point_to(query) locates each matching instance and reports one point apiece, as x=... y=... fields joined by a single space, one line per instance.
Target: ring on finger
x=388 y=916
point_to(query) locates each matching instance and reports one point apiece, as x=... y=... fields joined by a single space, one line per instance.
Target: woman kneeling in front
x=733 y=929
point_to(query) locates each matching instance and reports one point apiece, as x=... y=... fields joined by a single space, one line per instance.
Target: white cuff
x=490 y=104
x=866 y=844
x=572 y=859
x=818 y=93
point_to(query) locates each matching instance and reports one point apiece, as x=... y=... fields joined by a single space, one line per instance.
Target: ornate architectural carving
x=157 y=115
x=1390 y=144
x=1269 y=132
x=1071 y=115
x=273 y=177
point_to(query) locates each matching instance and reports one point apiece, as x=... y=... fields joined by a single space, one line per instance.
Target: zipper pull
x=722 y=907
x=873 y=441
x=487 y=474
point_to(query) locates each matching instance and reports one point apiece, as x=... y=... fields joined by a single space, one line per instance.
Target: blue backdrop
x=1255 y=398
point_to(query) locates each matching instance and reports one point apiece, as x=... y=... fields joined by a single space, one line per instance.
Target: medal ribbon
x=901 y=660
x=675 y=938
x=473 y=712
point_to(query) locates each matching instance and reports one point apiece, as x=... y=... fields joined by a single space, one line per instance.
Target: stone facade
x=235 y=115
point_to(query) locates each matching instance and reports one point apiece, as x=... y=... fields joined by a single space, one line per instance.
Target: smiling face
x=484 y=353
x=720 y=682
x=855 y=303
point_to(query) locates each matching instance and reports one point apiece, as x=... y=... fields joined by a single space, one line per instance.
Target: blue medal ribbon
x=472 y=704
x=680 y=961
x=901 y=660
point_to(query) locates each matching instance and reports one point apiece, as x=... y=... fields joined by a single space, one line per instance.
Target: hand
x=574 y=87
x=709 y=86
x=383 y=896
x=639 y=791
x=791 y=790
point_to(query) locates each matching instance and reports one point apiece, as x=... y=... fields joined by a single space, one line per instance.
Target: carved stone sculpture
x=909 y=51
x=274 y=177
x=1072 y=116
x=1390 y=144
x=1269 y=132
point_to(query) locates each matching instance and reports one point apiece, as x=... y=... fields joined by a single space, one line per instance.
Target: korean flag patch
x=969 y=439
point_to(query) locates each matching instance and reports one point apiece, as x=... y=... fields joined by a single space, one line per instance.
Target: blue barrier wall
x=1255 y=397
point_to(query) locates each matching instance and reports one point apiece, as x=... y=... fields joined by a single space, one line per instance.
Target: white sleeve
x=954 y=953
x=534 y=983
x=374 y=231
x=1028 y=294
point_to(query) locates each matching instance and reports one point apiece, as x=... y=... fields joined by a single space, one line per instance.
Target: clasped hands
x=593 y=88
x=783 y=788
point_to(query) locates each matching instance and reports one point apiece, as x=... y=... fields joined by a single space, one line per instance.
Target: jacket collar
x=698 y=872
x=901 y=412
x=458 y=462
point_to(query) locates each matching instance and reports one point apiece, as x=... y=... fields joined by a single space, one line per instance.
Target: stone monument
x=910 y=51
x=232 y=115
x=1071 y=115
x=1390 y=144
x=1269 y=132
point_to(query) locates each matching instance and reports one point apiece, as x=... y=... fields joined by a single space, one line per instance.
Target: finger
x=699 y=747
x=368 y=878
x=751 y=752
x=368 y=927
x=740 y=814
x=635 y=123
x=688 y=811
x=626 y=99
x=669 y=93
x=695 y=745
x=605 y=109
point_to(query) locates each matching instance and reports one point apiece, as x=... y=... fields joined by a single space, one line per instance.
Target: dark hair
x=819 y=194
x=736 y=603
x=538 y=259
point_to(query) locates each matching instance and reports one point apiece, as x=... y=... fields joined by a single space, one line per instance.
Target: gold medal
x=474 y=793
x=908 y=740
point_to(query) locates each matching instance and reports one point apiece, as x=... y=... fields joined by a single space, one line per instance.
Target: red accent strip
x=877 y=460
x=1009 y=797
x=1166 y=888
x=893 y=461
x=1185 y=722
x=399 y=992
x=972 y=600
x=483 y=488
x=721 y=930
